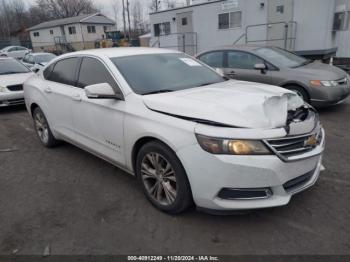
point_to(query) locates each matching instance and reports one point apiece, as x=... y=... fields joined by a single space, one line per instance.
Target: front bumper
x=11 y=98
x=208 y=174
x=327 y=96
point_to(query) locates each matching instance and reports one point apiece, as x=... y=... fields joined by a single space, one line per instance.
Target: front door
x=99 y=123
x=241 y=66
x=279 y=13
x=186 y=37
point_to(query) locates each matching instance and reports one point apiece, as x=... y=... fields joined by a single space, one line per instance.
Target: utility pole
x=128 y=9
x=124 y=20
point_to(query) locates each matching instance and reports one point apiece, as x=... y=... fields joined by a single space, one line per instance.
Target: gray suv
x=319 y=84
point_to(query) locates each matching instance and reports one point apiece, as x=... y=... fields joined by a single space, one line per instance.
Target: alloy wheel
x=41 y=127
x=159 y=178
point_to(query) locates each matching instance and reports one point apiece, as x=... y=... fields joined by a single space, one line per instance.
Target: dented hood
x=233 y=103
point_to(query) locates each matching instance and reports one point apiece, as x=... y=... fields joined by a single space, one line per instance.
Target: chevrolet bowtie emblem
x=311 y=141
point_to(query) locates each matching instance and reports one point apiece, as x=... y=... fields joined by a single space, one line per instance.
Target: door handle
x=77 y=97
x=48 y=90
x=232 y=73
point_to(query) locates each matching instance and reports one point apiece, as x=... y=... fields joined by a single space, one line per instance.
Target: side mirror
x=100 y=91
x=261 y=67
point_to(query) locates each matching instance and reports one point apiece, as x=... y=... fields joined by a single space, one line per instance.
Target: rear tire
x=42 y=129
x=300 y=92
x=163 y=178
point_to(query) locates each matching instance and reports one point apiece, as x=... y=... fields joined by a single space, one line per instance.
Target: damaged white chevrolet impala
x=188 y=134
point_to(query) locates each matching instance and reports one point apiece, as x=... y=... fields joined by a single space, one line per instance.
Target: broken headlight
x=220 y=146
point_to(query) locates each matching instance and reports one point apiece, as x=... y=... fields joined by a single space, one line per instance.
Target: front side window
x=12 y=66
x=65 y=71
x=94 y=72
x=242 y=60
x=164 y=72
x=280 y=57
x=213 y=59
x=72 y=30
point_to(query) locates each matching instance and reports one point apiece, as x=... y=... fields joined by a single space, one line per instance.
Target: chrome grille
x=291 y=146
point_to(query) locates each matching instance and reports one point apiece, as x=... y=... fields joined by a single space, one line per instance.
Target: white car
x=15 y=51
x=37 y=61
x=186 y=132
x=12 y=76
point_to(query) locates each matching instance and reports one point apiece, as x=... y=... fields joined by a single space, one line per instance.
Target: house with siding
x=73 y=33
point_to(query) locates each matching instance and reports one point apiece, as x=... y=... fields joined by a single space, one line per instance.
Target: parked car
x=36 y=61
x=12 y=75
x=15 y=51
x=317 y=83
x=186 y=132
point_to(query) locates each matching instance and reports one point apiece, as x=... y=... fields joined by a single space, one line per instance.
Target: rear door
x=240 y=65
x=99 y=123
x=60 y=94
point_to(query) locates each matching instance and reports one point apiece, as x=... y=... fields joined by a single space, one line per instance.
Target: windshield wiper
x=159 y=92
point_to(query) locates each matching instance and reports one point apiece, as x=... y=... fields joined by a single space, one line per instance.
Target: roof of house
x=87 y=19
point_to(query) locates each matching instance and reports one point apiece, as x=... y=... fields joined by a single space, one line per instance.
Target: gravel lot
x=75 y=203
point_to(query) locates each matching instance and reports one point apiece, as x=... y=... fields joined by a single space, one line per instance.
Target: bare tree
x=155 y=5
x=67 y=8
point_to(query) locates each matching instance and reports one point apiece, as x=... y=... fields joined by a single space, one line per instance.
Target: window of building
x=230 y=20
x=341 y=21
x=213 y=59
x=100 y=74
x=91 y=29
x=242 y=60
x=51 y=32
x=184 y=21
x=162 y=29
x=65 y=71
x=36 y=34
x=280 y=9
x=72 y=30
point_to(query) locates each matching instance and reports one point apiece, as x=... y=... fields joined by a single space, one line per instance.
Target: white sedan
x=188 y=134
x=12 y=76
x=17 y=52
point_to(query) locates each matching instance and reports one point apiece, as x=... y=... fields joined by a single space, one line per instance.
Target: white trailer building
x=309 y=27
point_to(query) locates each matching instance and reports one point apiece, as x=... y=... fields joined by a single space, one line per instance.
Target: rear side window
x=213 y=59
x=94 y=72
x=65 y=71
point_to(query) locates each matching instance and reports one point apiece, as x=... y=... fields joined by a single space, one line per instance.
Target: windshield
x=12 y=66
x=44 y=58
x=280 y=57
x=154 y=73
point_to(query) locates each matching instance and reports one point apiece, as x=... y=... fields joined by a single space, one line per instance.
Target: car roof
x=122 y=51
x=41 y=53
x=248 y=48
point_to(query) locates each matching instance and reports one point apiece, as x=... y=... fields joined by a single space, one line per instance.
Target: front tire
x=300 y=92
x=163 y=178
x=42 y=129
